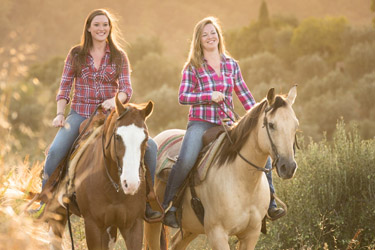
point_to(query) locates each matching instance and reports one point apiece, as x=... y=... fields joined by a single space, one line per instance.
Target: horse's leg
x=133 y=236
x=217 y=238
x=249 y=241
x=56 y=222
x=152 y=235
x=179 y=242
x=97 y=238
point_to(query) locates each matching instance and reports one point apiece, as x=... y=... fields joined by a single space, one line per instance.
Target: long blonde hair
x=195 y=57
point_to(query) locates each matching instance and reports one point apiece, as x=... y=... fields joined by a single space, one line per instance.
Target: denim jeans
x=62 y=143
x=269 y=178
x=65 y=138
x=191 y=146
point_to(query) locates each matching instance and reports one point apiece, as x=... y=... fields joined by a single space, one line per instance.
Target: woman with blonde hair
x=209 y=77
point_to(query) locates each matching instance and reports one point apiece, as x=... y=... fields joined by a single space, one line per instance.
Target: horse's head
x=278 y=133
x=129 y=142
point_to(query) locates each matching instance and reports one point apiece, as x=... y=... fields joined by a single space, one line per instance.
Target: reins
x=265 y=123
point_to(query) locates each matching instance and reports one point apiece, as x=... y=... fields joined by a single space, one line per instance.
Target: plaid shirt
x=197 y=86
x=92 y=86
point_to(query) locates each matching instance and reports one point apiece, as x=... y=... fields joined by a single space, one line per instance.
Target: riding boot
x=170 y=218
x=275 y=213
x=150 y=213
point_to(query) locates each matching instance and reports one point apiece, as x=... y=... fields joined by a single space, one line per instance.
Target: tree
x=263 y=19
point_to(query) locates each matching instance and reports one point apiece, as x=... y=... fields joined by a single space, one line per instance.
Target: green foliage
x=361 y=59
x=322 y=36
x=310 y=66
x=263 y=18
x=154 y=70
x=262 y=67
x=331 y=198
x=143 y=46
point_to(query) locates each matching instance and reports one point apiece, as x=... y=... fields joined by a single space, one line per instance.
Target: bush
x=361 y=60
x=310 y=66
x=330 y=199
x=322 y=36
x=262 y=67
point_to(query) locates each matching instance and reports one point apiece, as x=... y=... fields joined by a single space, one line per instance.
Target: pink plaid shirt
x=93 y=86
x=197 y=86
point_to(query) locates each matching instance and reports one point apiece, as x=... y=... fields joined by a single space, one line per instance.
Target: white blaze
x=132 y=136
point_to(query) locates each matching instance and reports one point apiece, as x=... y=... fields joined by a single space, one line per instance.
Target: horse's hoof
x=275 y=213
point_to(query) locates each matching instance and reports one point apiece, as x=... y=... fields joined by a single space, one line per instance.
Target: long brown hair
x=195 y=57
x=80 y=52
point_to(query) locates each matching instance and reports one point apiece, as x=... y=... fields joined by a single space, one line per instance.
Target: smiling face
x=209 y=38
x=99 y=28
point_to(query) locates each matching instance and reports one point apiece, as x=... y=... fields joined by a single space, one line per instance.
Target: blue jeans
x=269 y=178
x=65 y=138
x=191 y=146
x=62 y=143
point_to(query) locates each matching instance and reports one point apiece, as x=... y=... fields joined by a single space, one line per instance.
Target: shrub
x=331 y=198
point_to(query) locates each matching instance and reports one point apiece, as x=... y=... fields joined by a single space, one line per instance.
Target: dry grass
x=17 y=229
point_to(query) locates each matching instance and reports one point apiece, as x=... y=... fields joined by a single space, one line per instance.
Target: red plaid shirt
x=197 y=86
x=92 y=86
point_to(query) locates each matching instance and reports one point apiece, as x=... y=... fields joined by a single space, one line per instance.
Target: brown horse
x=108 y=180
x=236 y=195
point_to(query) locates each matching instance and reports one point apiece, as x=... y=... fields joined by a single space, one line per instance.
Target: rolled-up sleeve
x=241 y=89
x=67 y=80
x=124 y=83
x=187 y=93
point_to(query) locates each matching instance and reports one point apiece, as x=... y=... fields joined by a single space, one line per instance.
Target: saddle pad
x=168 y=152
x=206 y=161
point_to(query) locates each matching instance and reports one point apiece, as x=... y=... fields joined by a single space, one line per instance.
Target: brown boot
x=275 y=213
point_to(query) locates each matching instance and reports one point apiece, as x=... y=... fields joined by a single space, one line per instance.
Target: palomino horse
x=234 y=194
x=109 y=182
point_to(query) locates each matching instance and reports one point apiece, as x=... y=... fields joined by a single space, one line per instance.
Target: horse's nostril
x=125 y=184
x=283 y=168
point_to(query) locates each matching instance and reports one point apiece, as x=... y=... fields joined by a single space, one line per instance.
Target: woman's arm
x=187 y=94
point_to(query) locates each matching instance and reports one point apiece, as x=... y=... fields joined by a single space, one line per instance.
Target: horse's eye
x=271 y=125
x=118 y=137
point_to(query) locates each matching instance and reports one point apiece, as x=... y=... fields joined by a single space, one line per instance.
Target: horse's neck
x=251 y=152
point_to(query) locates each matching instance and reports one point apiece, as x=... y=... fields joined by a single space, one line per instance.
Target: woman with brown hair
x=98 y=69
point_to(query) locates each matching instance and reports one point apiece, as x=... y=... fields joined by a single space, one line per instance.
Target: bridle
x=265 y=124
x=104 y=147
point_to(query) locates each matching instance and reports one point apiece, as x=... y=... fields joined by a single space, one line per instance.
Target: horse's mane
x=240 y=131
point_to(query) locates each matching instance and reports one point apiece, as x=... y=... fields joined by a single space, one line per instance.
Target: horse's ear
x=148 y=109
x=292 y=95
x=271 y=96
x=119 y=107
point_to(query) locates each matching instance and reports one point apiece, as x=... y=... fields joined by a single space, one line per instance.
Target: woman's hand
x=109 y=104
x=217 y=96
x=59 y=121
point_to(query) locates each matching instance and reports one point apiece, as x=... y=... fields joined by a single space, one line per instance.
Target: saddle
x=212 y=140
x=60 y=172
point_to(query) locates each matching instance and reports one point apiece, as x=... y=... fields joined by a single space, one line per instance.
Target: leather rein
x=265 y=124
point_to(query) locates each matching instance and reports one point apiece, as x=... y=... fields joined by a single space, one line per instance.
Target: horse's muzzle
x=286 y=168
